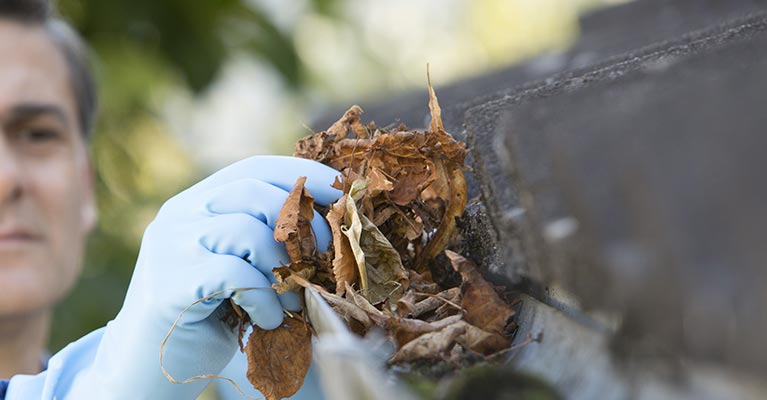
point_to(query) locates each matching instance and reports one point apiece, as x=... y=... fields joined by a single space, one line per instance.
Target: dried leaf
x=300 y=281
x=406 y=303
x=378 y=317
x=412 y=176
x=351 y=117
x=429 y=346
x=344 y=264
x=438 y=194
x=286 y=276
x=379 y=182
x=434 y=110
x=350 y=153
x=347 y=309
x=484 y=308
x=317 y=147
x=386 y=275
x=403 y=330
x=439 y=324
x=423 y=282
x=278 y=359
x=358 y=188
x=294 y=226
x=352 y=228
x=483 y=342
x=455 y=206
x=380 y=269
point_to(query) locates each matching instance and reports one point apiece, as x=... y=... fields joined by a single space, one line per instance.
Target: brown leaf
x=380 y=269
x=278 y=359
x=483 y=342
x=352 y=229
x=344 y=264
x=318 y=147
x=350 y=153
x=455 y=206
x=406 y=303
x=304 y=283
x=294 y=223
x=382 y=215
x=429 y=346
x=423 y=282
x=484 y=308
x=413 y=177
x=286 y=276
x=387 y=277
x=376 y=315
x=438 y=194
x=403 y=330
x=379 y=182
x=347 y=310
x=351 y=117
x=434 y=110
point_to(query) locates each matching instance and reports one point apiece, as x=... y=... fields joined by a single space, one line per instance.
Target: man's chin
x=22 y=300
x=24 y=276
x=20 y=261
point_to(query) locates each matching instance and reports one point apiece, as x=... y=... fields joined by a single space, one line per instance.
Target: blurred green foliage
x=191 y=37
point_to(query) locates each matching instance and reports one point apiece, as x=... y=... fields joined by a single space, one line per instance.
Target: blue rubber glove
x=215 y=236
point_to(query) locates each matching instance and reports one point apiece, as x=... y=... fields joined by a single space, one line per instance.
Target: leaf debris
x=278 y=359
x=403 y=190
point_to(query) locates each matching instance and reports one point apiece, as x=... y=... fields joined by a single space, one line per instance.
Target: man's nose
x=10 y=185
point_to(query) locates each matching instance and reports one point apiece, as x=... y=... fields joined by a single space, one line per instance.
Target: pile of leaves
x=403 y=190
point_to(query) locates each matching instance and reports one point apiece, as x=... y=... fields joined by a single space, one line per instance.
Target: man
x=209 y=242
x=46 y=202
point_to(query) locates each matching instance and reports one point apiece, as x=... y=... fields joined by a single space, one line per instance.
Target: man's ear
x=89 y=209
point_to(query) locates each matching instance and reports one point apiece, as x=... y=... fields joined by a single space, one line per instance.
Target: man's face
x=46 y=204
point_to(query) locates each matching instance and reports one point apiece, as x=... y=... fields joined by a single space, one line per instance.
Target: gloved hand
x=215 y=236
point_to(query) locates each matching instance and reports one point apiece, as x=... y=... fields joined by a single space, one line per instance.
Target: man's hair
x=72 y=47
x=31 y=11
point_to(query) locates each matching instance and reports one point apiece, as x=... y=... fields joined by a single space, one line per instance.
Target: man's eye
x=40 y=135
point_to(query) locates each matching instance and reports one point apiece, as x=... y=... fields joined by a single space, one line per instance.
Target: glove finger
x=322 y=232
x=246 y=237
x=262 y=305
x=221 y=273
x=257 y=198
x=263 y=202
x=290 y=301
x=261 y=313
x=280 y=171
x=250 y=239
